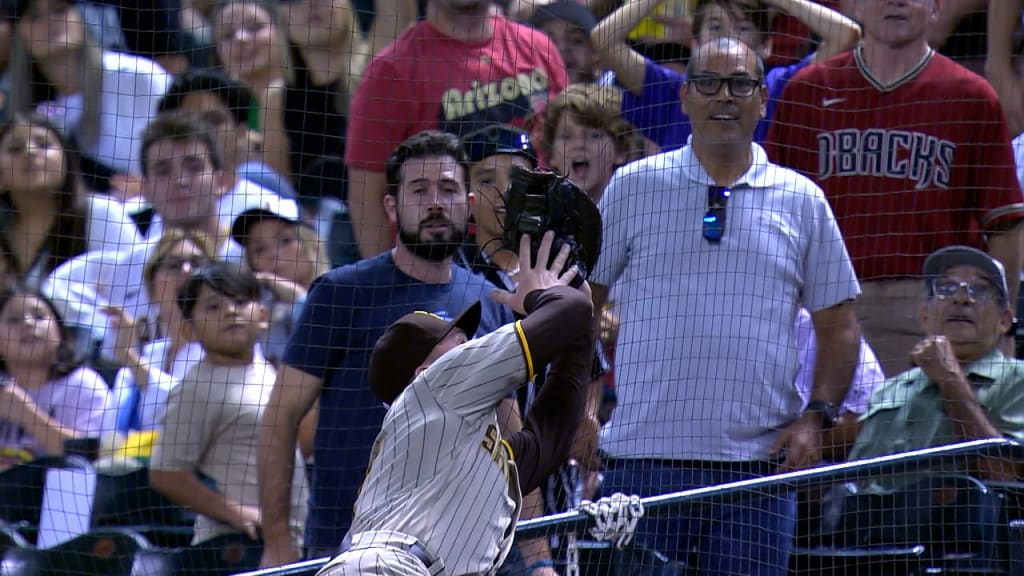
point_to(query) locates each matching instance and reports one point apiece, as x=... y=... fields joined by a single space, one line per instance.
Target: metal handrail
x=298 y=569
x=787 y=482
x=576 y=521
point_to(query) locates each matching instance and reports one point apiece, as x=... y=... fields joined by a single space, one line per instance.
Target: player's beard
x=434 y=249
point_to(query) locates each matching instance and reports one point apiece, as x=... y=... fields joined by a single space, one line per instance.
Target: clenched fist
x=934 y=355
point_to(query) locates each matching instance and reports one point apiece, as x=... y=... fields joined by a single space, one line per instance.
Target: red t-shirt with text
x=426 y=80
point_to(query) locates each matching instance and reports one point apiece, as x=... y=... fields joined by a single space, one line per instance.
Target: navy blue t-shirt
x=346 y=311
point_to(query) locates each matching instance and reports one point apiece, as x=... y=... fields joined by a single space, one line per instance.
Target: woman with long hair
x=251 y=46
x=46 y=218
x=328 y=55
x=100 y=99
x=303 y=60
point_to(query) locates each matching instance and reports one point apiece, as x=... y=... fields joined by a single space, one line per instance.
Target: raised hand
x=935 y=356
x=535 y=275
x=127 y=330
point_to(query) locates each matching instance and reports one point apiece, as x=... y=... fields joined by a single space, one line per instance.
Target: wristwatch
x=829 y=412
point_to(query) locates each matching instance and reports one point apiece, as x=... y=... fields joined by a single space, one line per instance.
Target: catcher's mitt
x=537 y=201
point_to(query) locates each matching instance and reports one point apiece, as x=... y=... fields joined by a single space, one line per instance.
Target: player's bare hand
x=536 y=275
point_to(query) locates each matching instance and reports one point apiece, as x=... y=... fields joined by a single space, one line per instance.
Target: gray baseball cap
x=940 y=261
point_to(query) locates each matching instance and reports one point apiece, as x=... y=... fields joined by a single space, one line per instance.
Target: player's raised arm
x=489 y=368
x=547 y=435
x=485 y=370
x=556 y=315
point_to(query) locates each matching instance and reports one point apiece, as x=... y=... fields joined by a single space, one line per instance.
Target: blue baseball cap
x=498 y=139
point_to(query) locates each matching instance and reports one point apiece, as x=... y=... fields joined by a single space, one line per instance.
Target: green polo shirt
x=906 y=412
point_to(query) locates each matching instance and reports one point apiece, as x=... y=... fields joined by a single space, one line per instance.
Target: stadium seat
x=863 y=561
x=1014 y=494
x=21 y=491
x=219 y=556
x=601 y=559
x=1014 y=515
x=948 y=524
x=126 y=500
x=1015 y=549
x=107 y=552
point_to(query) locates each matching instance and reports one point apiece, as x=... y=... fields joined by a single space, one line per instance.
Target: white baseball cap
x=274 y=207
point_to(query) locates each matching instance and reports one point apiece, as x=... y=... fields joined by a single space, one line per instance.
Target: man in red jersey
x=459 y=70
x=913 y=153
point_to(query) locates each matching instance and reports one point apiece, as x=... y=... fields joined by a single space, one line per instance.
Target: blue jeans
x=752 y=536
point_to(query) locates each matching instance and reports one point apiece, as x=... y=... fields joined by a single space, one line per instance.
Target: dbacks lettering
x=899 y=154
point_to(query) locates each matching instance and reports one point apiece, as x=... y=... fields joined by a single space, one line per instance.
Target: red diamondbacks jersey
x=425 y=80
x=908 y=168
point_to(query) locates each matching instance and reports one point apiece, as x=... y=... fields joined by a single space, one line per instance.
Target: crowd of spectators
x=211 y=210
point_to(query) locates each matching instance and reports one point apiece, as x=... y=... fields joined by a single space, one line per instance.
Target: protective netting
x=211 y=211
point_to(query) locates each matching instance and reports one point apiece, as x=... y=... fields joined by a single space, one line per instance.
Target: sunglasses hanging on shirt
x=714 y=221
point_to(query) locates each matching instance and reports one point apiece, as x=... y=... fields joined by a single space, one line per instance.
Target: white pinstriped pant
x=382 y=553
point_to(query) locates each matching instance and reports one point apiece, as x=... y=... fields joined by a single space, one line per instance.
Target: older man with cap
x=962 y=387
x=444 y=489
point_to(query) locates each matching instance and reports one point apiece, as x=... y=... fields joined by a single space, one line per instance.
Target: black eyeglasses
x=714 y=220
x=710 y=84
